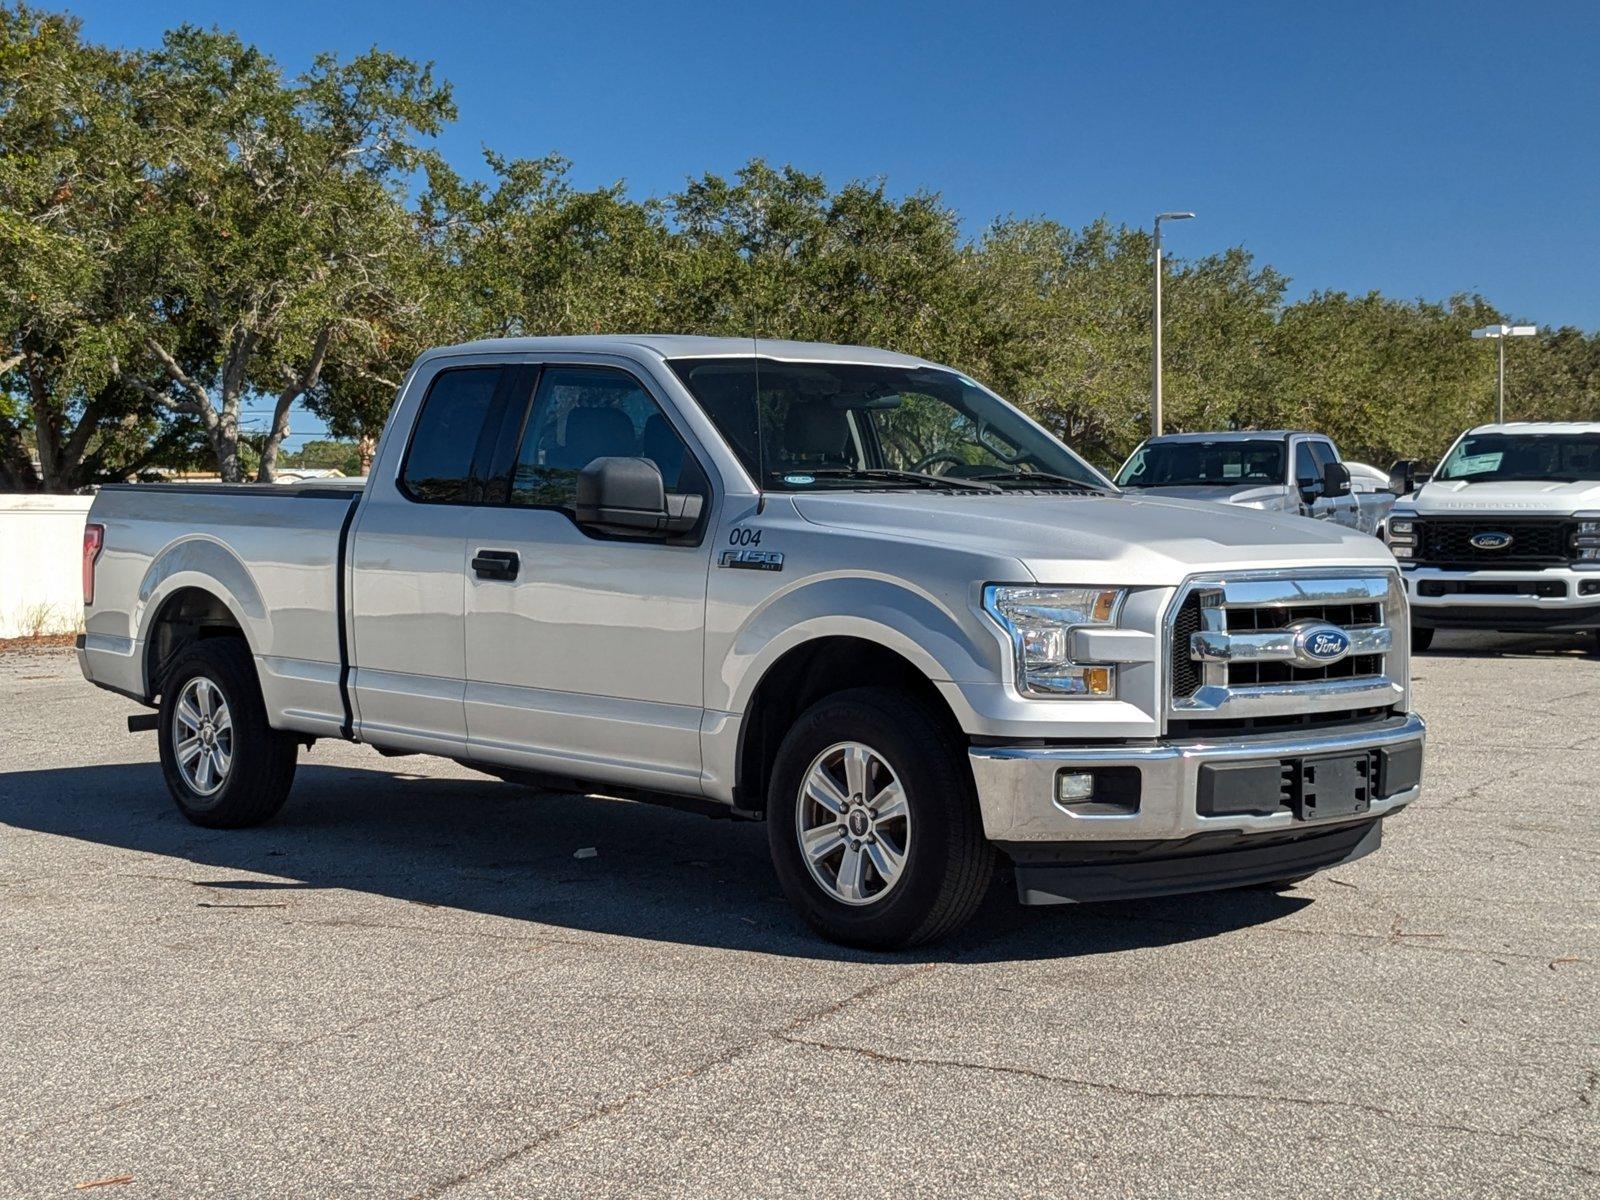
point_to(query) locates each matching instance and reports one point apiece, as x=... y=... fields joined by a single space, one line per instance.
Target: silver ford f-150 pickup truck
x=1278 y=470
x=1506 y=534
x=852 y=592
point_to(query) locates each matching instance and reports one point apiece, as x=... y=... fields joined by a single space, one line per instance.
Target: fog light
x=1074 y=787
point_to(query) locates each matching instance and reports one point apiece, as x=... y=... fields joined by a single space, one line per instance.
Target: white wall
x=41 y=564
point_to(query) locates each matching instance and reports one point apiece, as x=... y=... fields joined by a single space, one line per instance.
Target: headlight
x=1040 y=621
x=1586 y=538
x=1400 y=535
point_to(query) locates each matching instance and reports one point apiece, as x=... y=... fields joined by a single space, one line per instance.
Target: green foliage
x=186 y=228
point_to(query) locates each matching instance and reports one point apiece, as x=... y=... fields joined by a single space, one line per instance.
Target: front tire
x=225 y=766
x=873 y=823
x=1421 y=639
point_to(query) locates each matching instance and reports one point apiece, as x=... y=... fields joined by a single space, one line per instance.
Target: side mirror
x=1335 y=479
x=626 y=495
x=1403 y=477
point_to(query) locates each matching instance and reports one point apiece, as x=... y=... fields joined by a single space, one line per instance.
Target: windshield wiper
x=1044 y=478
x=1507 y=479
x=891 y=475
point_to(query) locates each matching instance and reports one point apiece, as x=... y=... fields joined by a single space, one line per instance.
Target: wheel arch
x=196 y=587
x=186 y=614
x=811 y=671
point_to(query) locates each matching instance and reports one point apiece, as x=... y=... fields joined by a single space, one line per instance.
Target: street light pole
x=1155 y=324
x=1498 y=334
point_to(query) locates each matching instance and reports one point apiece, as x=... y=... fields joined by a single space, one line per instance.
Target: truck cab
x=1281 y=471
x=849 y=592
x=1505 y=534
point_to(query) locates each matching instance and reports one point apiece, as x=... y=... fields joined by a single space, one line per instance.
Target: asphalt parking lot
x=408 y=985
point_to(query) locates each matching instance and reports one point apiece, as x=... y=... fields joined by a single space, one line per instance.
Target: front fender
x=945 y=642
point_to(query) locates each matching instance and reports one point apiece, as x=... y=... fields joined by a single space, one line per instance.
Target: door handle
x=496 y=564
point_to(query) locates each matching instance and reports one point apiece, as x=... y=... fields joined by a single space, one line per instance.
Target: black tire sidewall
x=257 y=748
x=911 y=742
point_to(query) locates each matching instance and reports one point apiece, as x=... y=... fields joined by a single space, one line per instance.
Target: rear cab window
x=444 y=442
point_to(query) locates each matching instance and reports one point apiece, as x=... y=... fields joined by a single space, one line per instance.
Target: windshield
x=1204 y=464
x=1558 y=457
x=826 y=425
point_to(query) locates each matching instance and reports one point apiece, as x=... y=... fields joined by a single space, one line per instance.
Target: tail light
x=94 y=540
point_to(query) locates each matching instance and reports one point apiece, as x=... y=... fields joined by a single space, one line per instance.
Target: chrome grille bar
x=1277 y=645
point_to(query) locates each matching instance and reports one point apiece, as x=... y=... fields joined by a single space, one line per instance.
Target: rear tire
x=225 y=766
x=876 y=787
x=1421 y=639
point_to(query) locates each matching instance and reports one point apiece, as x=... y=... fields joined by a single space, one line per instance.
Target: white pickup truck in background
x=1278 y=470
x=1506 y=534
x=848 y=591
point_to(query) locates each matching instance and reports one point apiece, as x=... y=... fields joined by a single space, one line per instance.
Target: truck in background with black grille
x=1506 y=533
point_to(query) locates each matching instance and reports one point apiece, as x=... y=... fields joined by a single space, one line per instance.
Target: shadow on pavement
x=488 y=847
x=1458 y=643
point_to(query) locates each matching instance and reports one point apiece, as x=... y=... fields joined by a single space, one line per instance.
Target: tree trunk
x=367 y=450
x=297 y=386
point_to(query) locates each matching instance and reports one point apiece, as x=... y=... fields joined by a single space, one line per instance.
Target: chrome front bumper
x=1017 y=785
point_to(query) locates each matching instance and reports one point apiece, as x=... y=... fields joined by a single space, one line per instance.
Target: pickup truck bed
x=270 y=556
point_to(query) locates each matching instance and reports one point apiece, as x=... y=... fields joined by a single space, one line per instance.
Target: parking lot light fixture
x=1155 y=324
x=1498 y=334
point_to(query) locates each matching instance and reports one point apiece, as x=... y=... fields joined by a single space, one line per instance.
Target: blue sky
x=1421 y=149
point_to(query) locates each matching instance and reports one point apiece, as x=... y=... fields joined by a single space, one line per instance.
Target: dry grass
x=47 y=642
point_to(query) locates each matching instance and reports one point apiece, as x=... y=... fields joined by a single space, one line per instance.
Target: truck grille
x=1535 y=541
x=1233 y=653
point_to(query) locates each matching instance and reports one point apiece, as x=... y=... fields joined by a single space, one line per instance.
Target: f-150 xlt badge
x=1318 y=645
x=1491 y=539
x=752 y=560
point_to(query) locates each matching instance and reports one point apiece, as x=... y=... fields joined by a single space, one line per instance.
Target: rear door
x=408 y=560
x=584 y=652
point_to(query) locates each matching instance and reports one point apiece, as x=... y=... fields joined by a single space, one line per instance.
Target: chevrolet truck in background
x=1505 y=535
x=1281 y=471
x=850 y=592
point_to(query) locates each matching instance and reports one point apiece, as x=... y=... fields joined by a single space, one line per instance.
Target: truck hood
x=1458 y=496
x=1103 y=539
x=1222 y=493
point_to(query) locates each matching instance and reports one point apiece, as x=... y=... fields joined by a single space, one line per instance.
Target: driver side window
x=580 y=414
x=1306 y=473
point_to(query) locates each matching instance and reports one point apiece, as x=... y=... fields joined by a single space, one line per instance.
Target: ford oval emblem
x=1319 y=644
x=1491 y=539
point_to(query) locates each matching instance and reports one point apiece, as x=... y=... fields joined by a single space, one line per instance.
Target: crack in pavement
x=654 y=1087
x=1119 y=1089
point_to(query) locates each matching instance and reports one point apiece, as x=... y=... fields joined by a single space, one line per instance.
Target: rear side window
x=438 y=463
x=584 y=413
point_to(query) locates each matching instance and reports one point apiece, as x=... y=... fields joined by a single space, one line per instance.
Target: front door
x=584 y=652
x=407 y=554
x=1310 y=456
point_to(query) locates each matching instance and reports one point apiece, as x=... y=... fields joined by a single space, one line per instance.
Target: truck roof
x=1536 y=427
x=670 y=345
x=1235 y=435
